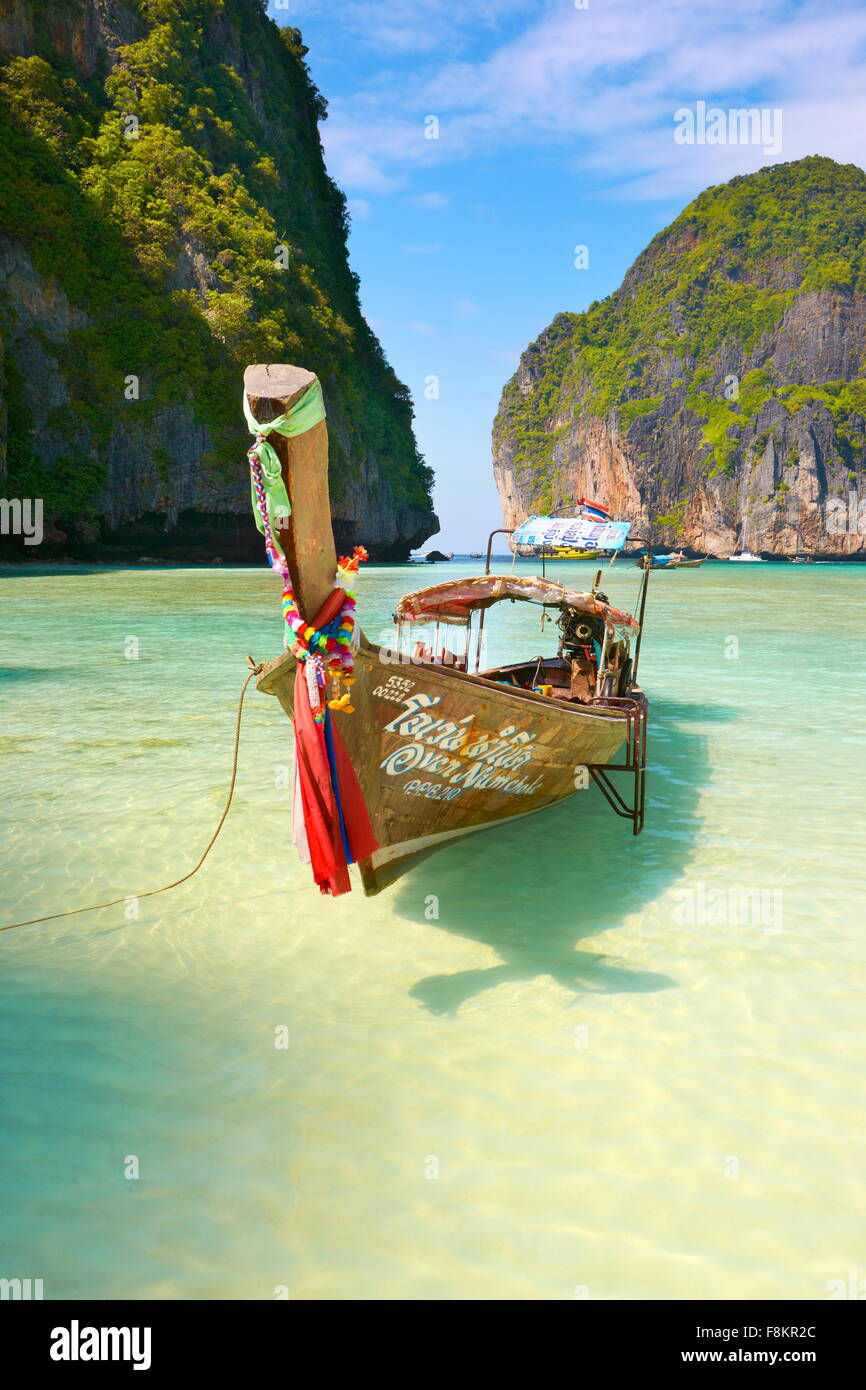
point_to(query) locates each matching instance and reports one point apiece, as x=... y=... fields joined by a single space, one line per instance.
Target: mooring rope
x=255 y=670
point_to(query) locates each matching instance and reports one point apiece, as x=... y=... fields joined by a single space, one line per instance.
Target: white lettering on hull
x=483 y=759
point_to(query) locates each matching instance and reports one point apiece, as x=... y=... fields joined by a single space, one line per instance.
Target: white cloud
x=601 y=86
x=403 y=27
x=430 y=200
x=466 y=308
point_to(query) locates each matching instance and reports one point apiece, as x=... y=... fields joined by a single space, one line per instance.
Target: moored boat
x=748 y=557
x=408 y=745
x=744 y=555
x=565 y=552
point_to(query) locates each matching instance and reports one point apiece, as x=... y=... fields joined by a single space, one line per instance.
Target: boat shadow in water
x=533 y=889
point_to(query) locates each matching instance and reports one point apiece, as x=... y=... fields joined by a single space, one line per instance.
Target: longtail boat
x=675 y=561
x=405 y=747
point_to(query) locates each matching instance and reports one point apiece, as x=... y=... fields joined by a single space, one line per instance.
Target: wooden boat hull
x=441 y=755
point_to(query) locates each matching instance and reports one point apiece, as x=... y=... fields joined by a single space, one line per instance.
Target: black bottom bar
x=221 y=1338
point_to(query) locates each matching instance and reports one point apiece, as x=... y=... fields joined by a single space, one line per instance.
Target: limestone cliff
x=718 y=397
x=166 y=217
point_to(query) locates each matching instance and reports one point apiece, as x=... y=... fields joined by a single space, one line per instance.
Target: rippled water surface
x=601 y=1067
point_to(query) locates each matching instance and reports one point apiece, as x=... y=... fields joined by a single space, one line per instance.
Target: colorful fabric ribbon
x=269 y=498
x=336 y=824
x=331 y=824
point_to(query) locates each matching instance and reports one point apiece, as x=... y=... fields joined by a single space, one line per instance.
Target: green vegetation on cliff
x=699 y=305
x=179 y=197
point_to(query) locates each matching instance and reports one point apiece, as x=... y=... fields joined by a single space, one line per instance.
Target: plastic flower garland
x=333 y=642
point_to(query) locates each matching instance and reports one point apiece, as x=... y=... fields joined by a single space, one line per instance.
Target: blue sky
x=555 y=130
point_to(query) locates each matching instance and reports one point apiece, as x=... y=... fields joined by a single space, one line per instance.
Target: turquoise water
x=598 y=1069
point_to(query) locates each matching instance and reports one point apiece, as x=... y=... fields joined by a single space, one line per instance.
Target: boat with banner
x=410 y=744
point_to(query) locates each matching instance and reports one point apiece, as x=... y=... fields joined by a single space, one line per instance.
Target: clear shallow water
x=616 y=1097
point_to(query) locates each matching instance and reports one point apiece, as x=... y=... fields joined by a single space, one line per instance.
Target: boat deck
x=572 y=681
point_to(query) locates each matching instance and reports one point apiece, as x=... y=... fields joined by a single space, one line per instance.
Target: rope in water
x=154 y=892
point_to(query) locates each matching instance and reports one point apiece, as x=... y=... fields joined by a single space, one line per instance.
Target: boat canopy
x=457 y=599
x=591 y=531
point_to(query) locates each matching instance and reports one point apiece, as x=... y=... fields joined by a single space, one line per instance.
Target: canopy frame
x=455 y=603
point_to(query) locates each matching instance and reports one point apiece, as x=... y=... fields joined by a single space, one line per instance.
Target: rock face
x=717 y=399
x=166 y=218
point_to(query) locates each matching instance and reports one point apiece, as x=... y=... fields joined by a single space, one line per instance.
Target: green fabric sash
x=307 y=411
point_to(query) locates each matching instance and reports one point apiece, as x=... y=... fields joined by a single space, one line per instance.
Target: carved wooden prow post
x=306 y=536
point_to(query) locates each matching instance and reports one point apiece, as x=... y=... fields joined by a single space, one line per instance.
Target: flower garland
x=333 y=643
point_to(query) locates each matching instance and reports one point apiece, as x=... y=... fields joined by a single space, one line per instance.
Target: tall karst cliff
x=166 y=217
x=721 y=388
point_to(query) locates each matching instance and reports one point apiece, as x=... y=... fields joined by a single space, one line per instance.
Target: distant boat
x=569 y=552
x=476 y=555
x=675 y=561
x=557 y=552
x=588 y=535
x=746 y=555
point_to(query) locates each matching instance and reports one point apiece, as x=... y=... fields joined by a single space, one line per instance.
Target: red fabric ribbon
x=321 y=814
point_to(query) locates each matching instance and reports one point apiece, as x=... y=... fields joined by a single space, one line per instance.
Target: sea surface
x=608 y=1068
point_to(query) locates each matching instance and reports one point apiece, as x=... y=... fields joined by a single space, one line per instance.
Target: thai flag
x=594 y=509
